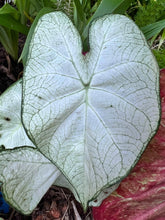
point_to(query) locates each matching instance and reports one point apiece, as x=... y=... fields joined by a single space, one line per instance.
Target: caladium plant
x=85 y=120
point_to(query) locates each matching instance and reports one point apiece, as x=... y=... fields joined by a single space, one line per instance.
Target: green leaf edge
x=1 y=182
x=25 y=51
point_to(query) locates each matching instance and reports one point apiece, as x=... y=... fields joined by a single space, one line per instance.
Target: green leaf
x=11 y=23
x=92 y=116
x=38 y=4
x=12 y=133
x=149 y=12
x=23 y=7
x=162 y=39
x=26 y=176
x=9 y=10
x=80 y=11
x=160 y=57
x=25 y=51
x=108 y=7
x=153 y=29
x=9 y=18
x=79 y=16
x=113 y=6
x=9 y=39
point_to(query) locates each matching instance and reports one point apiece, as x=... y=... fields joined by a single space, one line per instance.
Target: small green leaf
x=38 y=4
x=108 y=7
x=11 y=23
x=9 y=10
x=9 y=39
x=23 y=7
x=80 y=11
x=162 y=39
x=113 y=6
x=153 y=29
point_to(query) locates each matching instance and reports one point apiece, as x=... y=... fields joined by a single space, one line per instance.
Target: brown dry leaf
x=55 y=214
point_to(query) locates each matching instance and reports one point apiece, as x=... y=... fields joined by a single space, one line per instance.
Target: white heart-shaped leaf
x=12 y=133
x=26 y=176
x=92 y=115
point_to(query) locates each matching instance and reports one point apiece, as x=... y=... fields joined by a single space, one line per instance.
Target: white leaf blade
x=26 y=177
x=12 y=133
x=129 y=57
x=95 y=135
x=68 y=48
x=18 y=189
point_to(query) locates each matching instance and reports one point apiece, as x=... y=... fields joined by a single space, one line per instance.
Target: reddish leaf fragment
x=141 y=196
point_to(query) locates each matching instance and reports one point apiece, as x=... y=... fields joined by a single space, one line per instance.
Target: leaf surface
x=141 y=195
x=26 y=177
x=25 y=173
x=12 y=133
x=91 y=116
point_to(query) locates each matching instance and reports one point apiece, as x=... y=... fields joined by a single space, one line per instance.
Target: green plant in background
x=15 y=20
x=82 y=11
x=150 y=13
x=150 y=17
x=10 y=26
x=160 y=57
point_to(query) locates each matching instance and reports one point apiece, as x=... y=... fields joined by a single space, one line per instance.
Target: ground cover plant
x=87 y=89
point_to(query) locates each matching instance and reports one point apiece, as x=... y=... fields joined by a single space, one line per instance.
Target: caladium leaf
x=25 y=173
x=103 y=194
x=141 y=196
x=34 y=163
x=12 y=133
x=26 y=176
x=92 y=115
